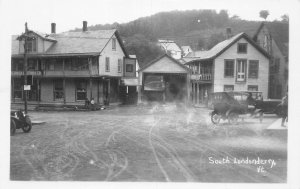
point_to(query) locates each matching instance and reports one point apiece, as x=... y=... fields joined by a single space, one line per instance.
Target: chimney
x=84 y=26
x=53 y=28
x=228 y=33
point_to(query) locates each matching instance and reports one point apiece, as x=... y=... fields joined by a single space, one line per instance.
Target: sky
x=69 y=14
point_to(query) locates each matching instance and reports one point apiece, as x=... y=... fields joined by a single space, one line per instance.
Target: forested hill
x=200 y=29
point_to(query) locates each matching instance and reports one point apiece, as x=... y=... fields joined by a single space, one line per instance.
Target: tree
x=215 y=39
x=264 y=14
x=201 y=44
x=285 y=18
x=143 y=48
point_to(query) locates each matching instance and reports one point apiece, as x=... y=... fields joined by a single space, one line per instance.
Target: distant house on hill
x=274 y=38
x=67 y=68
x=186 y=50
x=171 y=48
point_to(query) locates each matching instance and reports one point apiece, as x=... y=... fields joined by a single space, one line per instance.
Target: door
x=241 y=70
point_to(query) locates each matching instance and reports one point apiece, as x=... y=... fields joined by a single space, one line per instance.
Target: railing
x=56 y=73
x=201 y=77
x=30 y=72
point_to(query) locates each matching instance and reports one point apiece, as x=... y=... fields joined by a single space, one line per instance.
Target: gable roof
x=162 y=56
x=279 y=32
x=196 y=54
x=185 y=48
x=224 y=45
x=169 y=45
x=77 y=42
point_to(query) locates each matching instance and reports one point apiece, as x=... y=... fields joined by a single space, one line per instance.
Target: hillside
x=200 y=29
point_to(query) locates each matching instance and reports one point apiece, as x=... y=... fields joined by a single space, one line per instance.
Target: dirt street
x=153 y=143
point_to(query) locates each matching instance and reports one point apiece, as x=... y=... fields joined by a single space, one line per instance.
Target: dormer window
x=31 y=45
x=242 y=48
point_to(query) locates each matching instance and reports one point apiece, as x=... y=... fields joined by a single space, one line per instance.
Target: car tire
x=233 y=118
x=215 y=118
x=13 y=127
x=27 y=126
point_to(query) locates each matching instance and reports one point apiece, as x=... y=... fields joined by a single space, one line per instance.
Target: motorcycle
x=19 y=120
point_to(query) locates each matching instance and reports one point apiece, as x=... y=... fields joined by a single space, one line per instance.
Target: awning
x=130 y=82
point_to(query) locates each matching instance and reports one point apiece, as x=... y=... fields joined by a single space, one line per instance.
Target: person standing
x=284 y=109
x=92 y=104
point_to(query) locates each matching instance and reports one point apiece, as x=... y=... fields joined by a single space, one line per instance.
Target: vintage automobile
x=268 y=106
x=19 y=120
x=230 y=105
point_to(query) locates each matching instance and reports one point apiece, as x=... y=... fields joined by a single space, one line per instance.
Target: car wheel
x=27 y=126
x=233 y=118
x=12 y=127
x=215 y=118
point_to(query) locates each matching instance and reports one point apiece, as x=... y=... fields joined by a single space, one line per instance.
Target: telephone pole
x=25 y=36
x=25 y=67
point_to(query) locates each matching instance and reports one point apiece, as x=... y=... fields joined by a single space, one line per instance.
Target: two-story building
x=236 y=64
x=67 y=68
x=274 y=38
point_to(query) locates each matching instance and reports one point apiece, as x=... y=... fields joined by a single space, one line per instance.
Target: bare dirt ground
x=153 y=143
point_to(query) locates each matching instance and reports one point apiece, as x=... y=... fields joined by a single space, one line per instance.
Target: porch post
x=13 y=89
x=97 y=91
x=108 y=90
x=38 y=91
x=188 y=88
x=64 y=88
x=64 y=81
x=91 y=88
x=198 y=96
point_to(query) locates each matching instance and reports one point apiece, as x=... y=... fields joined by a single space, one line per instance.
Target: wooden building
x=67 y=68
x=164 y=80
x=236 y=63
x=274 y=38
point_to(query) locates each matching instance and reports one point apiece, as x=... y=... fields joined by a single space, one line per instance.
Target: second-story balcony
x=201 y=77
x=68 y=67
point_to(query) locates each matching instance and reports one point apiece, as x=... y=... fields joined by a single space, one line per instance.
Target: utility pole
x=25 y=68
x=26 y=37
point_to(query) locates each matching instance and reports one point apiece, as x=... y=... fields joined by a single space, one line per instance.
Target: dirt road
x=157 y=143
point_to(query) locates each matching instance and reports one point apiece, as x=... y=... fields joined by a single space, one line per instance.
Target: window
x=253 y=69
x=107 y=66
x=81 y=90
x=228 y=87
x=114 y=44
x=50 y=64
x=242 y=48
x=68 y=64
x=119 y=65
x=31 y=45
x=229 y=68
x=80 y=64
x=18 y=84
x=58 y=65
x=17 y=65
x=252 y=88
x=241 y=70
x=31 y=65
x=129 y=68
x=276 y=65
x=58 y=90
